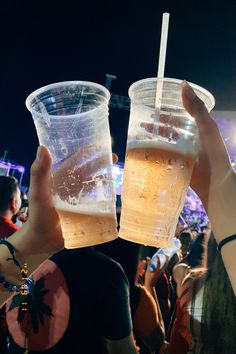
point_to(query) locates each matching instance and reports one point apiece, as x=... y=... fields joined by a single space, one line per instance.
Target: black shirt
x=80 y=297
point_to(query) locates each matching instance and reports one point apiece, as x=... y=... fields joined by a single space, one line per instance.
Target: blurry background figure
x=162 y=282
x=88 y=310
x=195 y=258
x=21 y=217
x=205 y=300
x=10 y=203
x=147 y=320
x=186 y=239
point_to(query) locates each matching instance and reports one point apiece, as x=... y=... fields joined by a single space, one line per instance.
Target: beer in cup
x=161 y=151
x=71 y=119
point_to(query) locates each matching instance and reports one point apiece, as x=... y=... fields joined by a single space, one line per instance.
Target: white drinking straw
x=162 y=59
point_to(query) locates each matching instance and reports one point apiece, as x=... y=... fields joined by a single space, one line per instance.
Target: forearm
x=222 y=214
x=213 y=178
x=221 y=207
x=41 y=235
x=152 y=291
x=26 y=252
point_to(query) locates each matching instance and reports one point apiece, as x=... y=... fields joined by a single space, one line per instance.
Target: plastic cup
x=71 y=120
x=161 y=151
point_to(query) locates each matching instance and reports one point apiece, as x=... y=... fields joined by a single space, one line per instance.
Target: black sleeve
x=113 y=304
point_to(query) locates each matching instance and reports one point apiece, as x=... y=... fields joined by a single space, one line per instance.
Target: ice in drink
x=155 y=182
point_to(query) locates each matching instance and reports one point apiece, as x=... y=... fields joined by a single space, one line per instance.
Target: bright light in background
x=117 y=171
x=9 y=169
x=20 y=169
x=4 y=168
x=226 y=122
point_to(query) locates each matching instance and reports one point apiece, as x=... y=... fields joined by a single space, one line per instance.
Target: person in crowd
x=10 y=203
x=78 y=308
x=147 y=320
x=21 y=217
x=78 y=298
x=162 y=287
x=195 y=256
x=170 y=296
x=186 y=239
x=194 y=259
x=201 y=309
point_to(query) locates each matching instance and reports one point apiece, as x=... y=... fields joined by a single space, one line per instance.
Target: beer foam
x=100 y=208
x=182 y=147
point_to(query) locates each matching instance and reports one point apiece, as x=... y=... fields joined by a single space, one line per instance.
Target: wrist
x=38 y=241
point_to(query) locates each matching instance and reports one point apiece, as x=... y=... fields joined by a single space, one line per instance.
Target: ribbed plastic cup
x=71 y=120
x=161 y=150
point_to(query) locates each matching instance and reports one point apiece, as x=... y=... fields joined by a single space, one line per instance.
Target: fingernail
x=189 y=91
x=39 y=154
x=114 y=158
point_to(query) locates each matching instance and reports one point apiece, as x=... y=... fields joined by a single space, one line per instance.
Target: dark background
x=51 y=41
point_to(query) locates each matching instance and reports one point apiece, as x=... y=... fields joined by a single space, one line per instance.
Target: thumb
x=43 y=223
x=40 y=190
x=211 y=140
x=196 y=108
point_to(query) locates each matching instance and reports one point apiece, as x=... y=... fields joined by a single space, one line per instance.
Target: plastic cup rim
x=177 y=81
x=38 y=91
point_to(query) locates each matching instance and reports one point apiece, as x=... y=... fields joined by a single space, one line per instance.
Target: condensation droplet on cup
x=142 y=195
x=163 y=193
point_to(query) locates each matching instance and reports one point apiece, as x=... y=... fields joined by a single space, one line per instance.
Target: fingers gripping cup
x=71 y=119
x=161 y=150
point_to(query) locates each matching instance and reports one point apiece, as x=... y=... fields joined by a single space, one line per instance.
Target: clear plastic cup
x=71 y=119
x=161 y=150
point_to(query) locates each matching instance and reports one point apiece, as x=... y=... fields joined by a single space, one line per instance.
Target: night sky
x=48 y=41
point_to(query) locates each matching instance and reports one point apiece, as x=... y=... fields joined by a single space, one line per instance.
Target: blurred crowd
x=177 y=307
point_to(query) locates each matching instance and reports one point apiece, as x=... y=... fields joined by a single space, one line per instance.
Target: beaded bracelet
x=7 y=285
x=226 y=240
